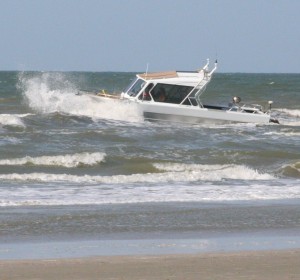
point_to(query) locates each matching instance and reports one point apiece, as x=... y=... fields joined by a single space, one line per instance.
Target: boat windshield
x=134 y=88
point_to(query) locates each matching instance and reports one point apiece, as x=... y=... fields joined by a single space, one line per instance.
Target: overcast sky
x=126 y=35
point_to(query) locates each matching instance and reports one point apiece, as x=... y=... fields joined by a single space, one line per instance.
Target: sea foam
x=36 y=194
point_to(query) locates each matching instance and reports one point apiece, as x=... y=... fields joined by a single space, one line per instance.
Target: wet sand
x=243 y=265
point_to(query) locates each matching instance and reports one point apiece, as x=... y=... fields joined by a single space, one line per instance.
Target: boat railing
x=197 y=91
x=194 y=95
x=247 y=108
x=202 y=88
x=255 y=107
x=193 y=101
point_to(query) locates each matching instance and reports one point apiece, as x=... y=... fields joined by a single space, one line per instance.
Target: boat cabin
x=173 y=87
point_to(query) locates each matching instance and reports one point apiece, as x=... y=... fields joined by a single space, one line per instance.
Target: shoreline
x=179 y=244
x=271 y=264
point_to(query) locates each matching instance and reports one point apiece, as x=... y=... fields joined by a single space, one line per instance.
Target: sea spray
x=52 y=92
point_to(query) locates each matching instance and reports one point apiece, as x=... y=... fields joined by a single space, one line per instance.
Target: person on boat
x=162 y=95
x=146 y=94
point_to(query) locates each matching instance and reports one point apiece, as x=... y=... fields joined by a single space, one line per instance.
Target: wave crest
x=292 y=170
x=12 y=120
x=69 y=161
x=169 y=173
x=215 y=172
x=291 y=112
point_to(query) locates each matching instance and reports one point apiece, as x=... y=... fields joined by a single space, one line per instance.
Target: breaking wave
x=214 y=172
x=12 y=120
x=285 y=133
x=69 y=161
x=289 y=117
x=171 y=183
x=168 y=173
x=290 y=112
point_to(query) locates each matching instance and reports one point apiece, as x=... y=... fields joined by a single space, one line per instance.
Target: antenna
x=147 y=69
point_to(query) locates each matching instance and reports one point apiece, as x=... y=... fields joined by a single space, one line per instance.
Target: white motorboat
x=176 y=96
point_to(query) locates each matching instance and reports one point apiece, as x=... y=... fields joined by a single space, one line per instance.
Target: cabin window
x=170 y=93
x=135 y=87
x=146 y=94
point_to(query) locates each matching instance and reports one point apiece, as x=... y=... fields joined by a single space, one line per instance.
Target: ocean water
x=76 y=171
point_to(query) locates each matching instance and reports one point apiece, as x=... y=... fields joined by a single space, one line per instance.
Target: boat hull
x=195 y=114
x=189 y=114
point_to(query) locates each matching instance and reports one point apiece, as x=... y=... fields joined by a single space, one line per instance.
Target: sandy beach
x=243 y=265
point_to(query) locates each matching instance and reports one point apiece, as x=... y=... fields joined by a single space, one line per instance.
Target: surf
x=67 y=160
x=165 y=173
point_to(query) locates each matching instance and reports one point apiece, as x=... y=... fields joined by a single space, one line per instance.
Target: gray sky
x=125 y=35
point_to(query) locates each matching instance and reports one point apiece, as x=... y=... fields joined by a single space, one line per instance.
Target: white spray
x=52 y=93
